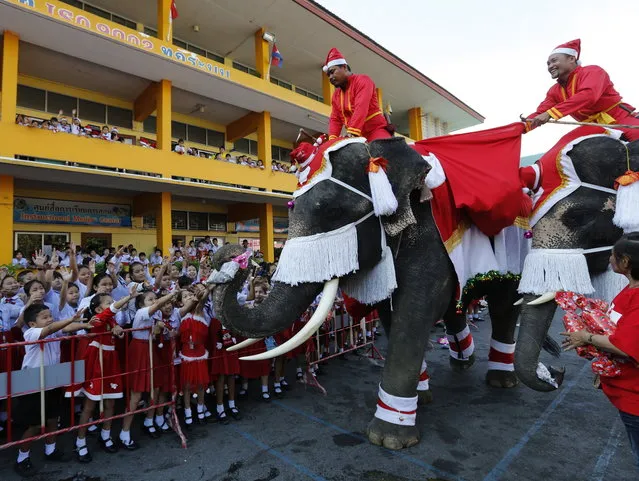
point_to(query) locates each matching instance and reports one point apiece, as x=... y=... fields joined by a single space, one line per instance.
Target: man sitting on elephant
x=355 y=105
x=585 y=93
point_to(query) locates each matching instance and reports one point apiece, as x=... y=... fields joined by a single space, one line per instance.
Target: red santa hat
x=569 y=48
x=334 y=58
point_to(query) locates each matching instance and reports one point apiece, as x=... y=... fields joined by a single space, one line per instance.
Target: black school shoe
x=24 y=468
x=235 y=413
x=83 y=458
x=113 y=448
x=152 y=431
x=222 y=418
x=131 y=446
x=56 y=455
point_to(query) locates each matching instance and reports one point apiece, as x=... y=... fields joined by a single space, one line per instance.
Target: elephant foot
x=460 y=365
x=391 y=436
x=424 y=397
x=505 y=379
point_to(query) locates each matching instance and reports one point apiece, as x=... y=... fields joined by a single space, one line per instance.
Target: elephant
x=426 y=279
x=582 y=220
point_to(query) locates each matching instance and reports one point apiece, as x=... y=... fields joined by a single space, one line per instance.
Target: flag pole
x=270 y=62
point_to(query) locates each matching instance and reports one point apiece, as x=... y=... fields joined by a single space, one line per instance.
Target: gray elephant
x=340 y=208
x=580 y=224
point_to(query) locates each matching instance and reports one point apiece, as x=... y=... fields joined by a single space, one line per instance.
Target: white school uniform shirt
x=144 y=262
x=180 y=149
x=214 y=248
x=20 y=262
x=33 y=355
x=143 y=319
x=81 y=288
x=66 y=262
x=156 y=260
x=98 y=259
x=53 y=298
x=191 y=251
x=76 y=129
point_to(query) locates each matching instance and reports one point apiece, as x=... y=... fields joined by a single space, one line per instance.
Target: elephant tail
x=551 y=346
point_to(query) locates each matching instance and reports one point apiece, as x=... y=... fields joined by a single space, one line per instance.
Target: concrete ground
x=470 y=432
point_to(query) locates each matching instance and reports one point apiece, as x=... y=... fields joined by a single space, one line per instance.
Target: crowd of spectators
x=75 y=127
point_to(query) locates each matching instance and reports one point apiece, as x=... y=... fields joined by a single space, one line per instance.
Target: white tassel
x=555 y=270
x=627 y=207
x=373 y=285
x=319 y=257
x=608 y=284
x=384 y=200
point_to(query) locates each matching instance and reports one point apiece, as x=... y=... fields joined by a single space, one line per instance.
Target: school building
x=205 y=77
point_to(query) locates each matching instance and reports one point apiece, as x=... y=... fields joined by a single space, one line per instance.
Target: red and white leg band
x=396 y=410
x=422 y=385
x=461 y=345
x=501 y=356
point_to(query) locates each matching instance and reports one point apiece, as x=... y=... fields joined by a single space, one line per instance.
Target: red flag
x=482 y=169
x=174 y=12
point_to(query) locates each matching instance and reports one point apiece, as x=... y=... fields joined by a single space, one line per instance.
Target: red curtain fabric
x=482 y=169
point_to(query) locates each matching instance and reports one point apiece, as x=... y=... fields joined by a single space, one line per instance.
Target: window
x=151 y=32
x=240 y=67
x=281 y=83
x=242 y=145
x=217 y=222
x=97 y=11
x=178 y=130
x=29 y=242
x=214 y=56
x=57 y=102
x=92 y=111
x=196 y=134
x=123 y=21
x=150 y=124
x=179 y=219
x=179 y=43
x=197 y=50
x=198 y=221
x=215 y=138
x=120 y=117
x=31 y=98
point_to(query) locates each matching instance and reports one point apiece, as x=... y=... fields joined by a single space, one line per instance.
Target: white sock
x=231 y=403
x=282 y=379
x=220 y=408
x=80 y=443
x=159 y=420
x=188 y=413
x=245 y=386
x=299 y=369
x=105 y=434
x=277 y=385
x=200 y=408
x=264 y=388
x=125 y=436
x=3 y=416
x=49 y=448
x=23 y=455
x=148 y=422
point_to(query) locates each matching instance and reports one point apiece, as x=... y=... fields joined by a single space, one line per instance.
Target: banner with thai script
x=31 y=210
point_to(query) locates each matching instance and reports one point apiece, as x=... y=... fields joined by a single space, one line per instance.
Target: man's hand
x=541 y=119
x=574 y=339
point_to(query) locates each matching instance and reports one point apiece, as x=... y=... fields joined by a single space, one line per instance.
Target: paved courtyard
x=469 y=433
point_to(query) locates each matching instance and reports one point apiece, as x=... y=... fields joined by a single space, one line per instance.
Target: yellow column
x=164 y=115
x=6 y=219
x=262 y=57
x=415 y=123
x=163 y=223
x=327 y=89
x=11 y=44
x=266 y=232
x=165 y=30
x=264 y=140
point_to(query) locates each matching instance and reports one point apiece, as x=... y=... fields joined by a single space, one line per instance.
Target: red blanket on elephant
x=482 y=172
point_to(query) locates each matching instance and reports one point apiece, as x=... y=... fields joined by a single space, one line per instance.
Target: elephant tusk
x=518 y=303
x=547 y=297
x=245 y=343
x=319 y=316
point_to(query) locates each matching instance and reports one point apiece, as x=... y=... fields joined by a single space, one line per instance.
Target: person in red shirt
x=622 y=390
x=585 y=93
x=355 y=105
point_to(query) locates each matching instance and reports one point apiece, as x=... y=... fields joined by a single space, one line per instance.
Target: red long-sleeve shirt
x=356 y=107
x=586 y=95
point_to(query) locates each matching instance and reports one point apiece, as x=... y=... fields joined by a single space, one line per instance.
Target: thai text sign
x=47 y=211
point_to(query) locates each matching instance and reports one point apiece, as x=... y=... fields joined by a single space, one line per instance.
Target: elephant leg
x=503 y=315
x=461 y=346
x=424 y=394
x=419 y=263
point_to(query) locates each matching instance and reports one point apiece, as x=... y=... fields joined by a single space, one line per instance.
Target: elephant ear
x=405 y=171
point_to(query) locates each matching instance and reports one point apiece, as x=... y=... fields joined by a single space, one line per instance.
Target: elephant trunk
x=278 y=311
x=535 y=322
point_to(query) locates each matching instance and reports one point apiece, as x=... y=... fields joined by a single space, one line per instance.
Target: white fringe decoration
x=373 y=285
x=319 y=257
x=608 y=284
x=384 y=200
x=627 y=208
x=547 y=270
